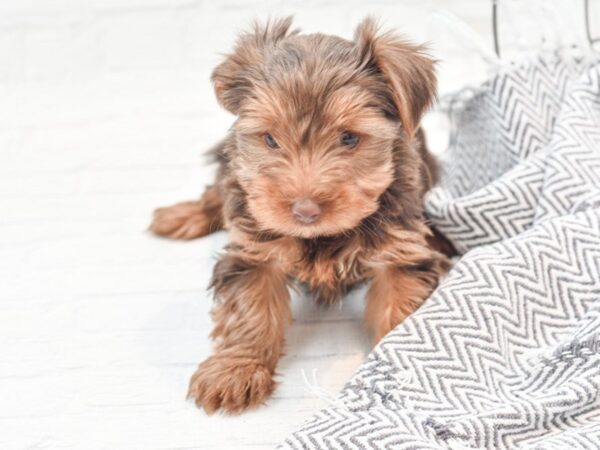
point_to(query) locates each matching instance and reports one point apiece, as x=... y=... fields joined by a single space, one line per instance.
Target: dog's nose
x=306 y=211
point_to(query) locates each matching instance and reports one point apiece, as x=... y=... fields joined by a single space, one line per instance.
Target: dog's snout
x=306 y=210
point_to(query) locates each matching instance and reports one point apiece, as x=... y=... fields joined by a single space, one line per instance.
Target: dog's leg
x=189 y=220
x=250 y=315
x=392 y=296
x=402 y=279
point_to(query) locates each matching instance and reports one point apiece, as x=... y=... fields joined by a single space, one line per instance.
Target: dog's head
x=319 y=123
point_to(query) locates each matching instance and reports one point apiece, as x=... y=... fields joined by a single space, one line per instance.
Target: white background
x=105 y=110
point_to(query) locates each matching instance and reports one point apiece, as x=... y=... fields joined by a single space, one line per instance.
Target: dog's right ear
x=233 y=78
x=407 y=69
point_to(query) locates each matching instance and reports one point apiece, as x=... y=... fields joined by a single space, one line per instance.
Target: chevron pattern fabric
x=506 y=353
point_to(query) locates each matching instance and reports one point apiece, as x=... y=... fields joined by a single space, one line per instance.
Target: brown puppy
x=321 y=181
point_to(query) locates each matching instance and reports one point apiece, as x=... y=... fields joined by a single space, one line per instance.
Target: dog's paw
x=186 y=220
x=232 y=384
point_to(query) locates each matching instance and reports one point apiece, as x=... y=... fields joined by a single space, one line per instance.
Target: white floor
x=105 y=110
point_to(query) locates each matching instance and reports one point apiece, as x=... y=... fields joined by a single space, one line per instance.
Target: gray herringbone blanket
x=506 y=352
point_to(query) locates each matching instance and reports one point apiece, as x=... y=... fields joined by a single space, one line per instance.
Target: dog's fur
x=306 y=91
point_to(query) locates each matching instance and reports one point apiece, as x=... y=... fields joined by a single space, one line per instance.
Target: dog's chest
x=326 y=264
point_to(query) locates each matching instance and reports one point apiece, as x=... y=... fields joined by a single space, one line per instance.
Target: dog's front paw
x=230 y=383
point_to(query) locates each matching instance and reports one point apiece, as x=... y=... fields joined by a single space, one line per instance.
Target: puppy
x=320 y=181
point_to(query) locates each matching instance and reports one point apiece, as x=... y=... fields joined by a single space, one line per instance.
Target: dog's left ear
x=407 y=69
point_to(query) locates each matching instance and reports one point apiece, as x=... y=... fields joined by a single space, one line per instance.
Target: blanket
x=506 y=352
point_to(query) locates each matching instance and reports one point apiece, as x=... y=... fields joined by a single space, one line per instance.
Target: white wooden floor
x=105 y=110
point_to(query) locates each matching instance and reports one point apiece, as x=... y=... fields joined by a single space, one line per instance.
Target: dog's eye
x=270 y=141
x=349 y=139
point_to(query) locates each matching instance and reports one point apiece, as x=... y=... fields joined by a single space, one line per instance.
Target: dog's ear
x=407 y=69
x=233 y=78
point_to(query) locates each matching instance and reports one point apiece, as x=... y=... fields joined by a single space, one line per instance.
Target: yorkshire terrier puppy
x=321 y=182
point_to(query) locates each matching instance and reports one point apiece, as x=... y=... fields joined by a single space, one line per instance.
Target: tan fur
x=392 y=296
x=406 y=67
x=399 y=285
x=250 y=315
x=305 y=92
x=190 y=220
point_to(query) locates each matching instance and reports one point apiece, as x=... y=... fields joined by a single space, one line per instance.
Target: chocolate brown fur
x=294 y=97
